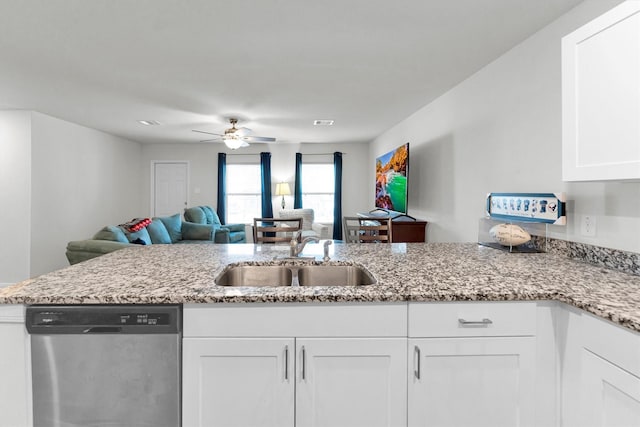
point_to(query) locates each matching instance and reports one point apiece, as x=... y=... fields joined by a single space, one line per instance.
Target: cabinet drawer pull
x=416 y=371
x=483 y=322
x=286 y=363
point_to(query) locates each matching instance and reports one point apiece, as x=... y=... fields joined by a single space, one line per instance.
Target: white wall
x=15 y=195
x=82 y=179
x=203 y=160
x=500 y=131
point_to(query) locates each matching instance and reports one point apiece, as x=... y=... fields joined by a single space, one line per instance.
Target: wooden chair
x=351 y=229
x=274 y=230
x=374 y=229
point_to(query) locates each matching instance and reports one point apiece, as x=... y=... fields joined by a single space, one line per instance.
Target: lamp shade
x=282 y=189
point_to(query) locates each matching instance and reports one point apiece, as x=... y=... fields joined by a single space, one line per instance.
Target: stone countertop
x=162 y=274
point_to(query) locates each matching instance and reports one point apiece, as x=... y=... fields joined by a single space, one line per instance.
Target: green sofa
x=207 y=215
x=162 y=230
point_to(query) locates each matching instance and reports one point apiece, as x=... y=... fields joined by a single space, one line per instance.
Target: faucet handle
x=326 y=245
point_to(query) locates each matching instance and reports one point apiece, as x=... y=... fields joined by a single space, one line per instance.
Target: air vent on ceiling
x=149 y=122
x=323 y=122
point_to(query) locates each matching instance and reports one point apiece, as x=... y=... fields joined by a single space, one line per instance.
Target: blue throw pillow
x=173 y=224
x=113 y=233
x=141 y=234
x=195 y=214
x=158 y=232
x=212 y=216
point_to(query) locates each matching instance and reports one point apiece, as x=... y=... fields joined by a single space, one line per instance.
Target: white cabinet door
x=467 y=382
x=351 y=382
x=238 y=382
x=610 y=395
x=601 y=97
x=15 y=366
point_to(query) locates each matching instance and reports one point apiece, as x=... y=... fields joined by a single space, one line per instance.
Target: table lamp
x=282 y=189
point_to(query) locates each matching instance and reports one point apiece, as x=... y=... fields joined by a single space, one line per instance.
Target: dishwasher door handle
x=103 y=330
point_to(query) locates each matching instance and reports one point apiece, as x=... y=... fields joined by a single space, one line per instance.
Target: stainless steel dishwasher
x=95 y=365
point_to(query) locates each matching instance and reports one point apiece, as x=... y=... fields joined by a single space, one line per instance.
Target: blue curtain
x=222 y=187
x=297 y=186
x=337 y=196
x=265 y=171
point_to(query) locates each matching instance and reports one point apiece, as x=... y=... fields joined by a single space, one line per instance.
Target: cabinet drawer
x=295 y=320
x=612 y=342
x=472 y=319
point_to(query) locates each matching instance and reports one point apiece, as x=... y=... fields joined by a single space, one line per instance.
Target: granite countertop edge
x=405 y=272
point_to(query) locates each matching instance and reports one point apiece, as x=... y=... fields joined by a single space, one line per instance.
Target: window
x=243 y=193
x=318 y=190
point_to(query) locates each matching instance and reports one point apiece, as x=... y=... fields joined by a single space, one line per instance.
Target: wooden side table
x=406 y=229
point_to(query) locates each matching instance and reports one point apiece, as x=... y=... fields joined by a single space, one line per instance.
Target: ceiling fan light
x=233 y=143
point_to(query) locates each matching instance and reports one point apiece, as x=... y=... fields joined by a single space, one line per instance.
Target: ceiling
x=276 y=65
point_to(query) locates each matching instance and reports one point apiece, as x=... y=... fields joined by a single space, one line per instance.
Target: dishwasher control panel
x=150 y=319
x=103 y=318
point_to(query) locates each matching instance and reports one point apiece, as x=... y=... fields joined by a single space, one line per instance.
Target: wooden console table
x=406 y=229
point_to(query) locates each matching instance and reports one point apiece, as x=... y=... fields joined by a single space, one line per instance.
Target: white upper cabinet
x=601 y=97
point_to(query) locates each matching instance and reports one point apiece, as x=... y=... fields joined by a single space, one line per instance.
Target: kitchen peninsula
x=183 y=274
x=434 y=306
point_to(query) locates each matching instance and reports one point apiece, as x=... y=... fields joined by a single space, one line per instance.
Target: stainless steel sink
x=295 y=275
x=256 y=275
x=334 y=275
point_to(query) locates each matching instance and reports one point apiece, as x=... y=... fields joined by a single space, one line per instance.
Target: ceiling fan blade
x=244 y=144
x=258 y=139
x=243 y=131
x=211 y=140
x=208 y=133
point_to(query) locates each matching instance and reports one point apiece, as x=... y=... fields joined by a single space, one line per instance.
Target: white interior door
x=170 y=187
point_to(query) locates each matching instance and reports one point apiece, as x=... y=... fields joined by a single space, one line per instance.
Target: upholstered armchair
x=207 y=215
x=309 y=227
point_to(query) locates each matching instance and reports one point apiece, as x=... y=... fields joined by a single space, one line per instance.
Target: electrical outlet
x=588 y=225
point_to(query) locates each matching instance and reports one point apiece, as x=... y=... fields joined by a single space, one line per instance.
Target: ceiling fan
x=234 y=137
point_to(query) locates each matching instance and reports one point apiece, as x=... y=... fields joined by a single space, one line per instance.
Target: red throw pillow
x=136 y=224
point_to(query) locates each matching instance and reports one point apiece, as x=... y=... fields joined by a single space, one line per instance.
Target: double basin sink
x=295 y=275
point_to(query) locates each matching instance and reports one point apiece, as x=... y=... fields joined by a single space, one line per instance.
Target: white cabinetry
x=464 y=364
x=601 y=97
x=611 y=395
x=268 y=365
x=237 y=382
x=610 y=375
x=15 y=389
x=474 y=364
x=351 y=382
